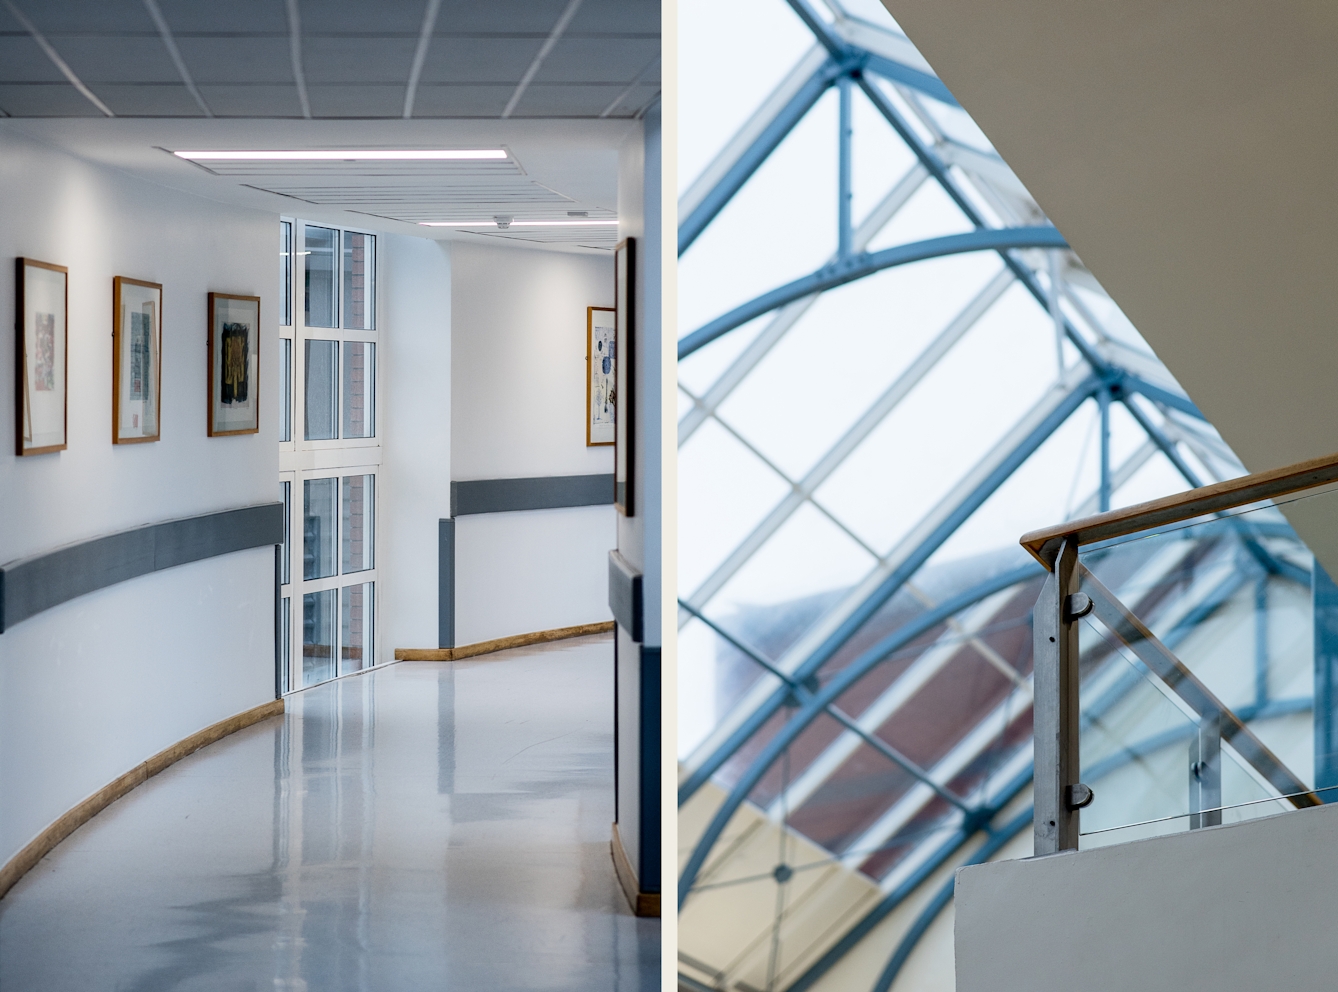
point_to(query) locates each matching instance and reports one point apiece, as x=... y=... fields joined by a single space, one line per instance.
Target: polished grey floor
x=423 y=826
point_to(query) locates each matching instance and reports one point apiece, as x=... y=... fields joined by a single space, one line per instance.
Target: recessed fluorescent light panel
x=349 y=155
x=519 y=223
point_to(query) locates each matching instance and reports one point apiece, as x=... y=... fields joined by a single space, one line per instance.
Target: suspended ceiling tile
x=500 y=16
x=564 y=100
x=148 y=100
x=617 y=17
x=235 y=16
x=243 y=59
x=357 y=100
x=357 y=60
x=252 y=101
x=22 y=61
x=44 y=100
x=382 y=17
x=598 y=60
x=479 y=60
x=636 y=101
x=86 y=16
x=136 y=59
x=461 y=100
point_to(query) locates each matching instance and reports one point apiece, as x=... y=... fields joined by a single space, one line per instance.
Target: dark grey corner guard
x=548 y=492
x=30 y=585
x=625 y=598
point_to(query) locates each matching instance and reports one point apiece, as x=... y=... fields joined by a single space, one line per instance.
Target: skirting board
x=23 y=862
x=502 y=643
x=643 y=903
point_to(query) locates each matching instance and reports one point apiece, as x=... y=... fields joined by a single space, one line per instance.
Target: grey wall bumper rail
x=544 y=493
x=30 y=585
x=625 y=596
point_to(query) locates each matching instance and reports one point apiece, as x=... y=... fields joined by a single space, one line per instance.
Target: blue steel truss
x=1107 y=381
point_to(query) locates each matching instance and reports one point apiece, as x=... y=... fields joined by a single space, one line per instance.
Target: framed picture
x=234 y=364
x=624 y=305
x=601 y=358
x=137 y=347
x=42 y=336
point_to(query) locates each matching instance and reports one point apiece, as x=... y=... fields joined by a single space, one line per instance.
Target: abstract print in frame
x=600 y=383
x=624 y=305
x=42 y=339
x=234 y=364
x=137 y=340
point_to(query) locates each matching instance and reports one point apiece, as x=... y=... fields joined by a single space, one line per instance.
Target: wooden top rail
x=1044 y=544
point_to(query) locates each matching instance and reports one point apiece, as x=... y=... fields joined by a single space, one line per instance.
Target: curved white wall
x=90 y=689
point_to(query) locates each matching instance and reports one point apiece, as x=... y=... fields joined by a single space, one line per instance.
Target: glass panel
x=355 y=652
x=285 y=645
x=318 y=528
x=359 y=389
x=286 y=272
x=285 y=389
x=1229 y=602
x=318 y=631
x=322 y=302
x=359 y=522
x=359 y=281
x=286 y=550
x=322 y=369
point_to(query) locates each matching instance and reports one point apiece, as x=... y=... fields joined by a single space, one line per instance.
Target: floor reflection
x=422 y=826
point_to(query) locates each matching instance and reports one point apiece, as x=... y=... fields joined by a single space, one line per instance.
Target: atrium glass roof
x=891 y=366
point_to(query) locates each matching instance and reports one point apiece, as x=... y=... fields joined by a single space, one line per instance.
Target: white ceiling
x=329 y=58
x=554 y=169
x=556 y=82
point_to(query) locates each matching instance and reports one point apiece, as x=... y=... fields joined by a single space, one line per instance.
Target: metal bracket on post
x=1058 y=793
x=1205 y=775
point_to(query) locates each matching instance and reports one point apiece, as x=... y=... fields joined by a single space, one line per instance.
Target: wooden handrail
x=1044 y=544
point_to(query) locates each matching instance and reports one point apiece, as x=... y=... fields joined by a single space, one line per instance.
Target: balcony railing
x=1186 y=661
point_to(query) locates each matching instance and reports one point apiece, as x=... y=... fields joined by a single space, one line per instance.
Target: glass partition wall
x=330 y=452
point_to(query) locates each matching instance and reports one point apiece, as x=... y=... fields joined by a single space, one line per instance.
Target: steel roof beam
x=748 y=159
x=994 y=843
x=840 y=623
x=747 y=135
x=864 y=264
x=889 y=702
x=789 y=315
x=803 y=694
x=816 y=705
x=879 y=411
x=939 y=170
x=894 y=898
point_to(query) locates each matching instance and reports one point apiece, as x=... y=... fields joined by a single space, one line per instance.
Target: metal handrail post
x=1205 y=774
x=1055 y=633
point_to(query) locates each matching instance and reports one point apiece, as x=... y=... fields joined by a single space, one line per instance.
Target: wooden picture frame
x=624 y=304
x=42 y=346
x=234 y=365
x=137 y=360
x=601 y=362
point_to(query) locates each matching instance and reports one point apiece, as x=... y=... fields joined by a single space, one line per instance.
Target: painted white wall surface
x=101 y=224
x=531 y=570
x=518 y=361
x=416 y=437
x=518 y=340
x=92 y=688
x=1244 y=906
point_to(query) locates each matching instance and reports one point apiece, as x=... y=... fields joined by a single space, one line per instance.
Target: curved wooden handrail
x=1044 y=544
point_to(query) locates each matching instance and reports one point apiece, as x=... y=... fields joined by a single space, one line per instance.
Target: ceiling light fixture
x=518 y=223
x=350 y=155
